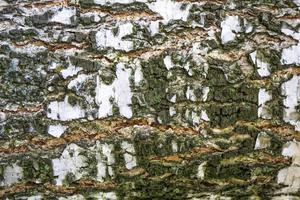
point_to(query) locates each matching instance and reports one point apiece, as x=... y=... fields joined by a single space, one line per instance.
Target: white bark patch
x=73 y=197
x=101 y=167
x=168 y=62
x=77 y=82
x=37 y=197
x=291 y=89
x=103 y=94
x=130 y=159
x=98 y=195
x=292 y=149
x=174 y=146
x=195 y=118
x=290 y=176
x=263 y=97
x=52 y=65
x=64 y=111
x=123 y=93
x=205 y=91
x=119 y=90
x=154 y=27
x=204 y=116
x=173 y=98
x=285 y=197
x=3 y=4
x=33 y=49
x=70 y=71
x=106 y=38
x=63 y=16
x=12 y=174
x=263 y=141
x=291 y=55
x=190 y=94
x=170 y=10
x=297 y=2
x=96 y=16
x=172 y=111
x=199 y=53
x=71 y=162
x=230 y=26
x=263 y=68
x=201 y=170
x=248 y=26
x=287 y=31
x=105 y=159
x=56 y=130
x=138 y=76
x=105 y=196
x=107 y=151
x=103 y=2
x=2 y=117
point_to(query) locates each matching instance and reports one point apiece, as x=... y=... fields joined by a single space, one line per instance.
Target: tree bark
x=149 y=99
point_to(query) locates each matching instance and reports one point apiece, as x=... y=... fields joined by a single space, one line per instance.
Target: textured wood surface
x=149 y=99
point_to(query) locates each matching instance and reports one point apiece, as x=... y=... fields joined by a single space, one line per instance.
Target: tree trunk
x=149 y=99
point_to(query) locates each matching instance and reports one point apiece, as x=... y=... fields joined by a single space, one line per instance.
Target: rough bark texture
x=149 y=99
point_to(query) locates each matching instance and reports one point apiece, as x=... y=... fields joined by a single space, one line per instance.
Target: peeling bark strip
x=149 y=99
